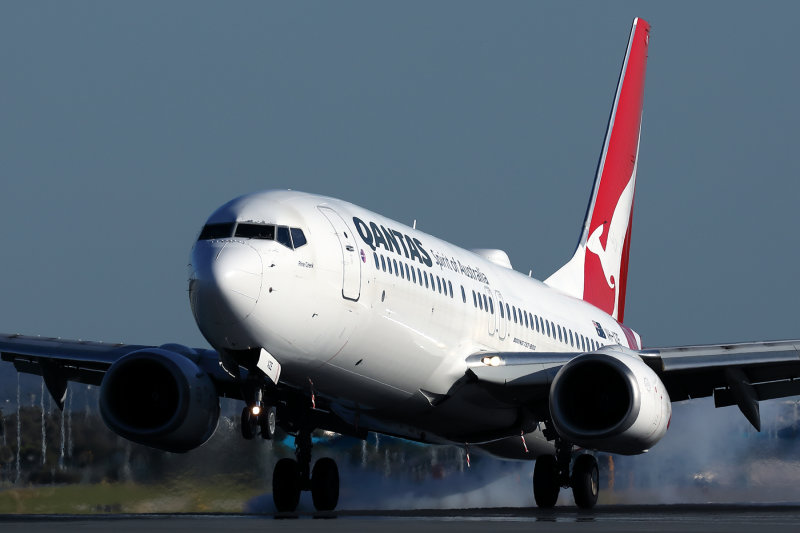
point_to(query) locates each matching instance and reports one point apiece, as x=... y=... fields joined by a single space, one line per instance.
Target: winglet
x=598 y=271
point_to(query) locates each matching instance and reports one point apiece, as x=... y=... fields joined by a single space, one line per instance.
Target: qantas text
x=392 y=240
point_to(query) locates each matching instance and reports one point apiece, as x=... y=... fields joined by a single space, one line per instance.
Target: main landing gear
x=551 y=473
x=294 y=475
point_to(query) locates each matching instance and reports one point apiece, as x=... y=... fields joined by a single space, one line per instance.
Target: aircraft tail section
x=598 y=271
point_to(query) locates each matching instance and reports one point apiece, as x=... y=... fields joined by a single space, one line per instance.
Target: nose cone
x=225 y=283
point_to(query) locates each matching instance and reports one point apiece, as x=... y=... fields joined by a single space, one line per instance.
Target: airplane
x=325 y=315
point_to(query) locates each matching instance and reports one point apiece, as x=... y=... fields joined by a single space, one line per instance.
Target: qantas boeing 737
x=324 y=315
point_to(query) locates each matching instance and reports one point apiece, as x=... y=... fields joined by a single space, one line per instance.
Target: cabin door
x=351 y=260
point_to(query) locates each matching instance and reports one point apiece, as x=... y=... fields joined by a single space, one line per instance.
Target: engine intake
x=161 y=399
x=610 y=401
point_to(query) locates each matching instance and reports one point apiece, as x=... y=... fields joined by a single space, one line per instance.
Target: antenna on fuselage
x=415 y=224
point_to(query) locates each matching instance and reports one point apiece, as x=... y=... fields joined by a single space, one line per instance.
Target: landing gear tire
x=249 y=423
x=325 y=484
x=286 y=485
x=546 y=484
x=268 y=422
x=585 y=481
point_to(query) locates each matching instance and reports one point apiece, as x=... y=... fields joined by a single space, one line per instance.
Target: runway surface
x=681 y=518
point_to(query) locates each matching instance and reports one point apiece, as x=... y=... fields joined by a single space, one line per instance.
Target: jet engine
x=161 y=399
x=610 y=401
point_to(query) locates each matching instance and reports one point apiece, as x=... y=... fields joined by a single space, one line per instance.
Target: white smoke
x=708 y=456
x=714 y=456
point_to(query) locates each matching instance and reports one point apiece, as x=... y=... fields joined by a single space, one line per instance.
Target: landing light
x=256 y=410
x=492 y=361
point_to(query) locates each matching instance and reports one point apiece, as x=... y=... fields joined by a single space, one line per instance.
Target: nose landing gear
x=257 y=420
x=258 y=417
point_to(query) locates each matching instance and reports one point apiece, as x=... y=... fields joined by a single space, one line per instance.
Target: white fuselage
x=379 y=317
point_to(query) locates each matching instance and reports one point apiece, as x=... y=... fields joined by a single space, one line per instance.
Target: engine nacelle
x=161 y=399
x=610 y=401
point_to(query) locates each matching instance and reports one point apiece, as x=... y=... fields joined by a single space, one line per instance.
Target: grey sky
x=124 y=125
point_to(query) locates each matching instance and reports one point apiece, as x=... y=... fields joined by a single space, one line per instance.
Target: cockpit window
x=283 y=237
x=292 y=238
x=255 y=231
x=216 y=231
x=298 y=237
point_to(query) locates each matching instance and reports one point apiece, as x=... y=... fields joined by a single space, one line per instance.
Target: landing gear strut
x=551 y=473
x=294 y=475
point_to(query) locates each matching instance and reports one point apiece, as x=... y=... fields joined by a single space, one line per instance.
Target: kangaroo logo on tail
x=598 y=271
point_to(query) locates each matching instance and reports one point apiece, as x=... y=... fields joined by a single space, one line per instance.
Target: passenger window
x=216 y=231
x=560 y=339
x=419 y=276
x=526 y=318
x=536 y=319
x=500 y=306
x=396 y=270
x=298 y=238
x=547 y=323
x=413 y=275
x=426 y=279
x=485 y=303
x=474 y=299
x=408 y=274
x=514 y=310
x=402 y=272
x=480 y=303
x=283 y=236
x=439 y=284
x=377 y=264
x=463 y=294
x=508 y=312
x=571 y=341
x=450 y=287
x=383 y=264
x=255 y=231
x=389 y=262
x=491 y=306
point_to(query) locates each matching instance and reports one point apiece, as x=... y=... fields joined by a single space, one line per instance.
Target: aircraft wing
x=735 y=374
x=59 y=361
x=739 y=374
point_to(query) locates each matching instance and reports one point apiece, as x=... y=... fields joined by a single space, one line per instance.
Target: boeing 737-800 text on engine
x=324 y=315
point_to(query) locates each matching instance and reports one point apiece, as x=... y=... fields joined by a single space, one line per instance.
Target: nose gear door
x=351 y=260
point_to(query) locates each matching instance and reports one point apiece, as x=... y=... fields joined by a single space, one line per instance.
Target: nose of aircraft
x=226 y=282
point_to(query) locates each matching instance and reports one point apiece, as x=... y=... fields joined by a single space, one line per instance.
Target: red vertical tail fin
x=598 y=271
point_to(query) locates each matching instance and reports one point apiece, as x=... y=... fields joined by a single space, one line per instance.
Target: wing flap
x=764 y=391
